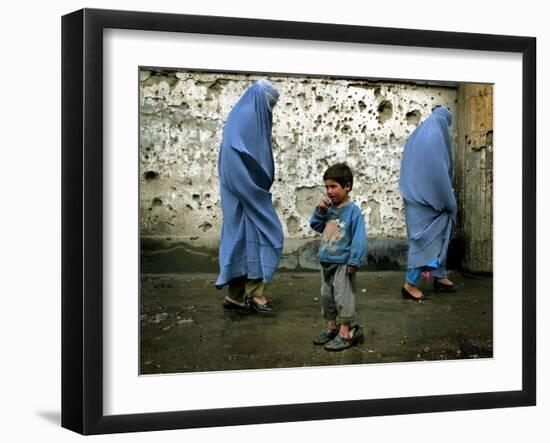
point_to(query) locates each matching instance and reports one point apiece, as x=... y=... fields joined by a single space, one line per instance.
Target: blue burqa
x=252 y=238
x=425 y=184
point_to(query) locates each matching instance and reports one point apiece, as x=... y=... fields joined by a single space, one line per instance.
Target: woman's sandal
x=408 y=296
x=229 y=306
x=442 y=287
x=264 y=308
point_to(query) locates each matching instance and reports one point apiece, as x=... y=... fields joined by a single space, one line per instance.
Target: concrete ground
x=184 y=328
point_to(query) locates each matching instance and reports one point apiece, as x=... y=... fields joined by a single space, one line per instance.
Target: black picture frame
x=82 y=218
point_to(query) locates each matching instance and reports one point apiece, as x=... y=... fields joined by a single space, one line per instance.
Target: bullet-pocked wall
x=316 y=122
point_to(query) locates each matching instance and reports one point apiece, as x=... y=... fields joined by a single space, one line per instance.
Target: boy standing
x=343 y=249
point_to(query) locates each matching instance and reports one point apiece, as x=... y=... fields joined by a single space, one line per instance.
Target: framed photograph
x=217 y=169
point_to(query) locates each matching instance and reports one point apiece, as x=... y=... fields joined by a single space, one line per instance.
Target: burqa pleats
x=425 y=184
x=251 y=238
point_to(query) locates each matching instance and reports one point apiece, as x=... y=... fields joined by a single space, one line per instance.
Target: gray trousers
x=337 y=293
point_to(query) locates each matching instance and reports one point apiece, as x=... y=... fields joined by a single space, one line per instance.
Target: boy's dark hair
x=340 y=173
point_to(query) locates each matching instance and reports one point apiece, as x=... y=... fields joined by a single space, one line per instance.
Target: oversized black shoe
x=408 y=296
x=338 y=343
x=357 y=334
x=325 y=337
x=442 y=287
x=260 y=308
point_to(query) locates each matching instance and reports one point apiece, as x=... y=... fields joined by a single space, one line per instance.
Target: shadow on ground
x=54 y=417
x=184 y=328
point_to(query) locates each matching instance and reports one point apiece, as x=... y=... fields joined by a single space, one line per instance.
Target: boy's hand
x=324 y=203
x=351 y=270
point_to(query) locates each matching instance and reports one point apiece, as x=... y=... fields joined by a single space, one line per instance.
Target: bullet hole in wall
x=385 y=111
x=293 y=225
x=413 y=117
x=151 y=175
x=205 y=226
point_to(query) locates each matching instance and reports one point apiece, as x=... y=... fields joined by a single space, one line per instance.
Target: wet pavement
x=184 y=328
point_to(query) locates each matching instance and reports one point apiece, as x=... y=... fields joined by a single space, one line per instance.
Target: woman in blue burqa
x=425 y=184
x=251 y=238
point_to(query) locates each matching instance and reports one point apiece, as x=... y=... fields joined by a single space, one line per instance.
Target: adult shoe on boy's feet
x=357 y=334
x=339 y=343
x=264 y=308
x=325 y=337
x=442 y=287
x=229 y=306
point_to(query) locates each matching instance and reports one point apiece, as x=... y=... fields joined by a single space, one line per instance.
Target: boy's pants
x=337 y=293
x=241 y=286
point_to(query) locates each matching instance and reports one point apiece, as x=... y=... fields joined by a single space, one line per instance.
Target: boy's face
x=336 y=192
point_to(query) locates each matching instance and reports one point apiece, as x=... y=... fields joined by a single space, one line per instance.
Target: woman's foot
x=444 y=285
x=413 y=293
x=230 y=304
x=259 y=300
x=260 y=305
x=413 y=290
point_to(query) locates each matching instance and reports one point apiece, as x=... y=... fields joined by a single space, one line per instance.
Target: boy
x=343 y=249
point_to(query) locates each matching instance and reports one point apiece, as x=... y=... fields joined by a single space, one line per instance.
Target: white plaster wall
x=316 y=122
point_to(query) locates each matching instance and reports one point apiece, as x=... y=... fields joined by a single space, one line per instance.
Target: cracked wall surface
x=316 y=122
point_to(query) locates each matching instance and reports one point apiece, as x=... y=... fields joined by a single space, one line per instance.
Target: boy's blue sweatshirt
x=344 y=239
